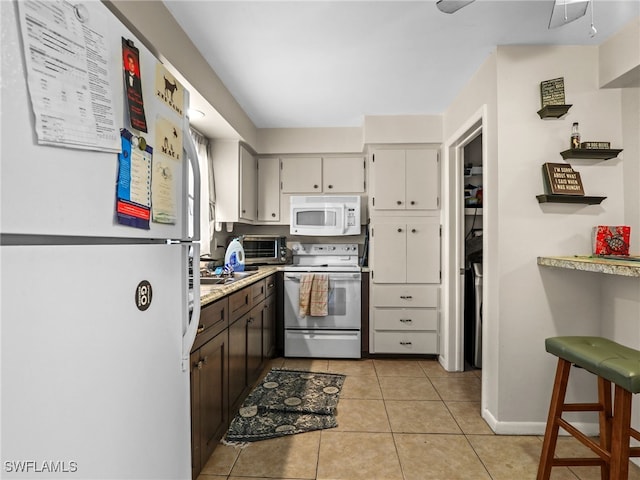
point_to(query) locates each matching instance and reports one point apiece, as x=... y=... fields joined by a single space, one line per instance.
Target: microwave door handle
x=343 y=207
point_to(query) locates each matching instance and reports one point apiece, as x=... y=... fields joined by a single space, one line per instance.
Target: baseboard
x=533 y=428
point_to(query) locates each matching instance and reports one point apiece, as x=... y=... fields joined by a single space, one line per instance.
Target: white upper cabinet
x=301 y=175
x=343 y=175
x=236 y=185
x=248 y=185
x=268 y=189
x=405 y=179
x=327 y=174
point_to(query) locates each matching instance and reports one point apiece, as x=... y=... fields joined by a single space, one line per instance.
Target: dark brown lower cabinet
x=209 y=398
x=237 y=337
x=238 y=361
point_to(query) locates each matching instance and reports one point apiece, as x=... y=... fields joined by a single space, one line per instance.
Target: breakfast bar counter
x=587 y=263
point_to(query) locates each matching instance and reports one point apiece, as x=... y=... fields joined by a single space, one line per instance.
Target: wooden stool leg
x=555 y=412
x=620 y=435
x=605 y=417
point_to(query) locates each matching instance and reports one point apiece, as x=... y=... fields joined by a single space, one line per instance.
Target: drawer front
x=405 y=342
x=270 y=285
x=258 y=292
x=215 y=315
x=239 y=303
x=405 y=319
x=405 y=295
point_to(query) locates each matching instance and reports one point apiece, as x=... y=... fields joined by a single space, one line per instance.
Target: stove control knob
x=295 y=248
x=332 y=248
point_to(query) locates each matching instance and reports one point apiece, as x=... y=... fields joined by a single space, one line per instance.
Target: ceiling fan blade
x=565 y=11
x=452 y=6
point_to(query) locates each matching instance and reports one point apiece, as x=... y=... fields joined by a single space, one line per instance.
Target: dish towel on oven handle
x=306 y=281
x=319 y=295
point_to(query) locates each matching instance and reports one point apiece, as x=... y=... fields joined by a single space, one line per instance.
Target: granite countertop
x=617 y=266
x=211 y=293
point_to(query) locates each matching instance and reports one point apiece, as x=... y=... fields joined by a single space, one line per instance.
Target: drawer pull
x=200 y=329
x=405 y=343
x=406 y=297
x=406 y=320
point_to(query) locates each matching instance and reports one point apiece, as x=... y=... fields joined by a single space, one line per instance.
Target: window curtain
x=207 y=192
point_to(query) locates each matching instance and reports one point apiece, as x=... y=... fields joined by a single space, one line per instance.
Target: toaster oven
x=264 y=249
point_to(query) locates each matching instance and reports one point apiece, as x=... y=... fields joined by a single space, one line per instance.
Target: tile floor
x=398 y=420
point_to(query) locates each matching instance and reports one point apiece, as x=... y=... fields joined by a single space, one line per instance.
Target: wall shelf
x=591 y=154
x=553 y=111
x=547 y=198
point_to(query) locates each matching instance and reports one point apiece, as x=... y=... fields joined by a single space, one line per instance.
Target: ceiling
x=330 y=63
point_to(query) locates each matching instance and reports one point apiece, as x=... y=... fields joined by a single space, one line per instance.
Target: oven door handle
x=334 y=277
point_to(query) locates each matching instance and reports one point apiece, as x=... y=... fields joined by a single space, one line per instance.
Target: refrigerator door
x=91 y=354
x=48 y=190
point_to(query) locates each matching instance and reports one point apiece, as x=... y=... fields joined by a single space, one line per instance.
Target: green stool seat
x=604 y=358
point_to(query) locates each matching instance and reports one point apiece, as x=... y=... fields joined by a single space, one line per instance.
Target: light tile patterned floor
x=397 y=420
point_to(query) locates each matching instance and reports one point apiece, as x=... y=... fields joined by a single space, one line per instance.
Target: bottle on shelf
x=575 y=136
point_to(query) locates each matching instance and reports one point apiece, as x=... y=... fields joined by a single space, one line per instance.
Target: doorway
x=457 y=223
x=472 y=178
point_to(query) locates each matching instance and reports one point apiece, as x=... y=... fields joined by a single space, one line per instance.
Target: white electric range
x=337 y=334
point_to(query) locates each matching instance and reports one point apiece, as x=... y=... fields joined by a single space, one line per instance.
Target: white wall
x=309 y=140
x=525 y=303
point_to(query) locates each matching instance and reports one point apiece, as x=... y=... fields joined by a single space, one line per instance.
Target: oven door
x=343 y=302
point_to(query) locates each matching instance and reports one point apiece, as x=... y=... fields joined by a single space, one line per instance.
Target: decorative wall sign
x=552 y=92
x=561 y=179
x=596 y=145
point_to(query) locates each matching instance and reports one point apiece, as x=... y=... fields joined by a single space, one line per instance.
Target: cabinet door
x=269 y=328
x=389 y=243
x=422 y=179
x=237 y=361
x=214 y=407
x=423 y=253
x=196 y=457
x=343 y=174
x=254 y=343
x=389 y=180
x=301 y=175
x=248 y=185
x=268 y=189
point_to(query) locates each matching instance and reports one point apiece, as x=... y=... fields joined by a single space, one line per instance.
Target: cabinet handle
x=315 y=186
x=406 y=320
x=273 y=215
x=405 y=343
x=244 y=211
x=200 y=329
x=399 y=202
x=399 y=230
x=271 y=285
x=330 y=186
x=249 y=320
x=406 y=297
x=413 y=202
x=205 y=360
x=413 y=230
x=199 y=365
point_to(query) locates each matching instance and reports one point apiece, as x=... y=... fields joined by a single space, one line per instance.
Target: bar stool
x=613 y=364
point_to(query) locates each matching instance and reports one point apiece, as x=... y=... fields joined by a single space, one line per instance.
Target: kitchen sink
x=224 y=280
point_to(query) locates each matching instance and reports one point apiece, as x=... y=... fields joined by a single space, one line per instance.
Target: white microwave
x=330 y=215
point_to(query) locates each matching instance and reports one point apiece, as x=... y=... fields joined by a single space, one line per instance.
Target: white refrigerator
x=97 y=318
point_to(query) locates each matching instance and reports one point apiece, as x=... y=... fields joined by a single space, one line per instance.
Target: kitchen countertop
x=211 y=293
x=627 y=268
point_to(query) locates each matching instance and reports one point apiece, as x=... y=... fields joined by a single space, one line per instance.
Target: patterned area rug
x=287 y=402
